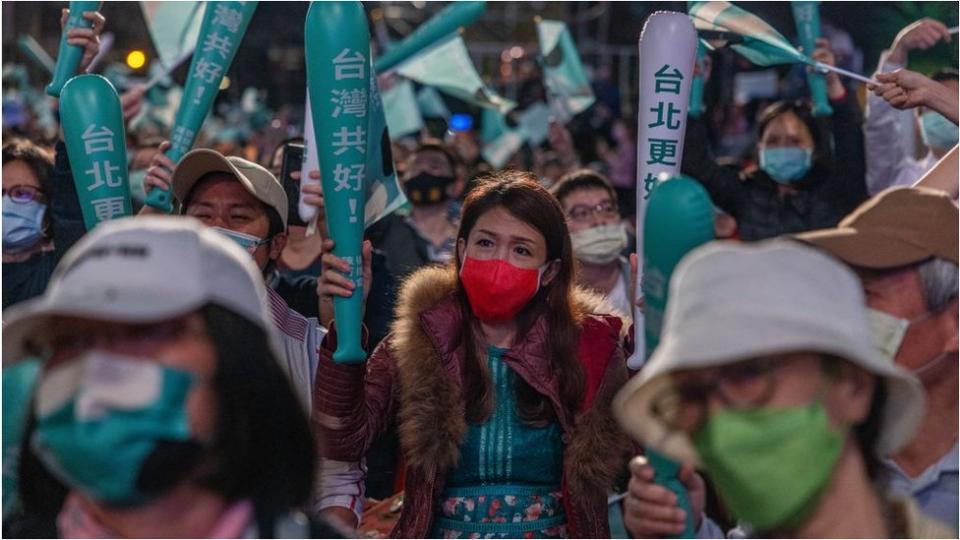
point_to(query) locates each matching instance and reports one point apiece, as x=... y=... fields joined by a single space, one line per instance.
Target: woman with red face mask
x=499 y=372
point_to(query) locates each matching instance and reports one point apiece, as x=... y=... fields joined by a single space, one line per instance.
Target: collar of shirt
x=946 y=464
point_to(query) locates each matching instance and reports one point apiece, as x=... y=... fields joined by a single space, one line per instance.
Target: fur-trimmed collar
x=431 y=411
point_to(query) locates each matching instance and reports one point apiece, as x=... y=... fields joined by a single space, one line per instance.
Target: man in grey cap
x=767 y=377
x=903 y=244
x=247 y=204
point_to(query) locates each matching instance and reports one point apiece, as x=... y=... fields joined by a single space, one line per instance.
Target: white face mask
x=888 y=333
x=599 y=245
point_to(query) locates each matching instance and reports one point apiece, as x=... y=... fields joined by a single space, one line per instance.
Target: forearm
x=943 y=100
x=945 y=175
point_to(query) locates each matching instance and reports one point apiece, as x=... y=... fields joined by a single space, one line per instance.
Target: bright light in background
x=136 y=59
x=225 y=83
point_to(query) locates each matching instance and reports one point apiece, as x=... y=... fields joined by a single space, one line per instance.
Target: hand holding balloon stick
x=69 y=56
x=338 y=81
x=96 y=144
x=668 y=49
x=224 y=24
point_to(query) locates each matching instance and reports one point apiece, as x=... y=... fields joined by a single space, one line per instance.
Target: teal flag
x=498 y=151
x=534 y=122
x=761 y=44
x=806 y=17
x=441 y=25
x=96 y=144
x=173 y=26
x=448 y=68
x=494 y=125
x=563 y=72
x=383 y=192
x=400 y=106
x=431 y=103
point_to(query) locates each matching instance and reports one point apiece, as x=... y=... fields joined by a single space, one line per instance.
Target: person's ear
x=277 y=244
x=852 y=394
x=551 y=272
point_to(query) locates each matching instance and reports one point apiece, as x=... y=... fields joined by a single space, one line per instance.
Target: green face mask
x=770 y=465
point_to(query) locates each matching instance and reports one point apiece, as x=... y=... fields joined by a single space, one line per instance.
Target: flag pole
x=820 y=66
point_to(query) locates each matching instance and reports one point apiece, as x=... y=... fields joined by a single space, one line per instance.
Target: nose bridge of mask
x=102 y=382
x=244 y=240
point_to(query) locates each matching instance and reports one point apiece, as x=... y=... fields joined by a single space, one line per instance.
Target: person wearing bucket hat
x=247 y=204
x=903 y=245
x=160 y=409
x=767 y=378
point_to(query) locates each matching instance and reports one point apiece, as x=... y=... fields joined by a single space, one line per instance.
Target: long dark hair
x=520 y=194
x=263 y=450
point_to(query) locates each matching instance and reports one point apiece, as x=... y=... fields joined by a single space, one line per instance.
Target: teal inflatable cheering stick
x=695 y=109
x=221 y=31
x=69 y=56
x=338 y=80
x=96 y=144
x=679 y=218
x=441 y=25
x=806 y=16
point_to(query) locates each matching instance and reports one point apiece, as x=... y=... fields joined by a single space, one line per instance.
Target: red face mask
x=496 y=289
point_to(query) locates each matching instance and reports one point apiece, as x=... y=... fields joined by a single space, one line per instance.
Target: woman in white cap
x=161 y=410
x=767 y=378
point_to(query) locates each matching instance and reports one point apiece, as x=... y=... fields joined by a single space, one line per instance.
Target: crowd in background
x=175 y=377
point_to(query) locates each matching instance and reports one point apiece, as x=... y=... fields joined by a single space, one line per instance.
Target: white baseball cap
x=730 y=302
x=141 y=270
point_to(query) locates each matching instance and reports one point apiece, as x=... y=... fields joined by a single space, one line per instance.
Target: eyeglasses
x=582 y=212
x=22 y=194
x=743 y=385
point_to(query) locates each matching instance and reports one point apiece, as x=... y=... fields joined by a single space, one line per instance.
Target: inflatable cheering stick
x=668 y=49
x=806 y=17
x=221 y=31
x=69 y=56
x=679 y=218
x=96 y=144
x=338 y=80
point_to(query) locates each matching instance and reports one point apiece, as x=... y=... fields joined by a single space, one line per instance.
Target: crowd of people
x=173 y=376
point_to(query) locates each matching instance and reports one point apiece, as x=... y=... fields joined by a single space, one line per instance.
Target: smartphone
x=292 y=161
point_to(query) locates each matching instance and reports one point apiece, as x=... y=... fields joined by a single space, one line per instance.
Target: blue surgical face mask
x=786 y=164
x=22 y=224
x=115 y=428
x=937 y=131
x=248 y=242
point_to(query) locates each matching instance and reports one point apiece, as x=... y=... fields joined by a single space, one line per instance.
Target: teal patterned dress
x=507 y=484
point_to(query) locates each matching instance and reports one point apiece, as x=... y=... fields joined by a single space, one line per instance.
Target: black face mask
x=426 y=188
